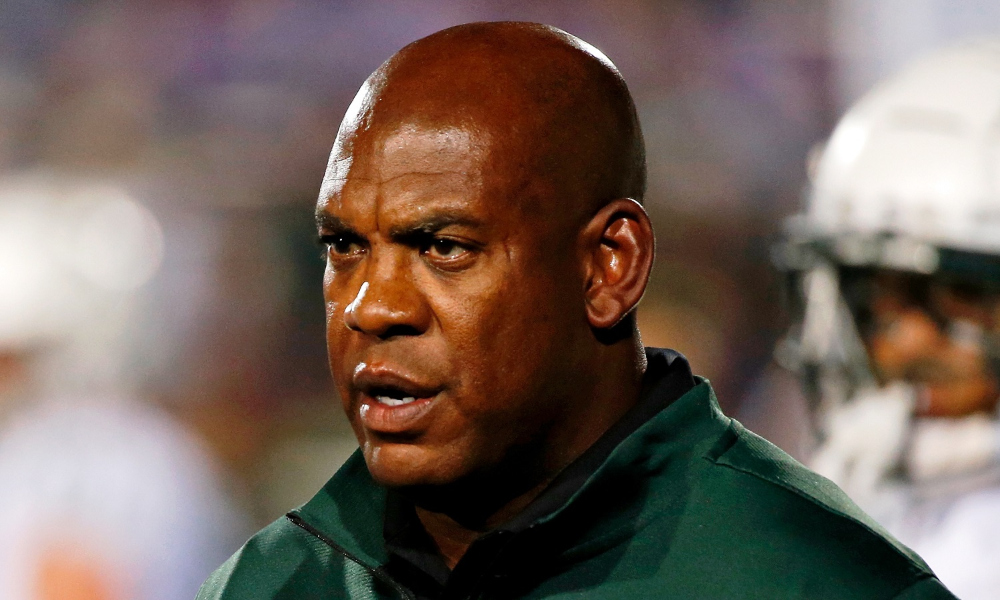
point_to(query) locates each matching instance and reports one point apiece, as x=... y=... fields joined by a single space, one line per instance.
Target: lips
x=392 y=402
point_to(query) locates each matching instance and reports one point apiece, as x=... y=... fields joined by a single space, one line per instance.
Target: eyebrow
x=400 y=233
x=328 y=222
x=431 y=224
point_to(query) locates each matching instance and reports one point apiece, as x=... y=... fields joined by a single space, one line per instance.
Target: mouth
x=393 y=397
x=395 y=401
x=393 y=404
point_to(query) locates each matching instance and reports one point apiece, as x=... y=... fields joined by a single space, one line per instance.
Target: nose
x=388 y=302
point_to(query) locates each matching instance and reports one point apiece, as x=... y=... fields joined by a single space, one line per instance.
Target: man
x=898 y=258
x=486 y=248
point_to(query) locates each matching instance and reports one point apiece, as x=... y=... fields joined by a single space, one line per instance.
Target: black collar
x=413 y=558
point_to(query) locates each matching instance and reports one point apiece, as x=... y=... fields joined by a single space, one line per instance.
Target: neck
x=455 y=517
x=454 y=538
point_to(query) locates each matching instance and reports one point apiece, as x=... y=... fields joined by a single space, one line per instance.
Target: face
x=932 y=335
x=450 y=316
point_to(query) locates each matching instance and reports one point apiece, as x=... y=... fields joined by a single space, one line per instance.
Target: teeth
x=388 y=401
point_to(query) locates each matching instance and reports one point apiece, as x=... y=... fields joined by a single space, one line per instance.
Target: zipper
x=377 y=573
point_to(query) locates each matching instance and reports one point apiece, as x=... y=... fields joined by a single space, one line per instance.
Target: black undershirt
x=414 y=560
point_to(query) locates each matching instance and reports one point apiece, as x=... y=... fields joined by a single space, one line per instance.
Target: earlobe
x=619 y=250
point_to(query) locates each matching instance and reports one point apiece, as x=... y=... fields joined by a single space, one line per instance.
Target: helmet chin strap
x=827 y=351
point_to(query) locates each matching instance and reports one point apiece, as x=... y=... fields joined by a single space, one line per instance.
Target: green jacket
x=691 y=505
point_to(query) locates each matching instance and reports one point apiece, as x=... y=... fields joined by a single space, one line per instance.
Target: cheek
x=504 y=337
x=966 y=365
x=336 y=299
x=331 y=300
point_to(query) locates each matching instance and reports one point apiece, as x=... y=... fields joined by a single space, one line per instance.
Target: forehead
x=408 y=168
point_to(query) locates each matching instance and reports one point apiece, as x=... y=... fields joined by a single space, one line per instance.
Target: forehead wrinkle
x=334 y=185
x=395 y=178
x=428 y=149
x=431 y=215
x=407 y=149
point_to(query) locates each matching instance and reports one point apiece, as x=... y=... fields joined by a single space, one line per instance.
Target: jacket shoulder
x=793 y=526
x=282 y=562
x=770 y=469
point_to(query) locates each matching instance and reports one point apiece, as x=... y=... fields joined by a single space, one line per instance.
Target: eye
x=445 y=248
x=340 y=245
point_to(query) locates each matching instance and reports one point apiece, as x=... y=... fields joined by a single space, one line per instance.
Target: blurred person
x=897 y=258
x=102 y=496
x=486 y=246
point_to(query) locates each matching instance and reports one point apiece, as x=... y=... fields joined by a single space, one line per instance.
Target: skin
x=911 y=342
x=485 y=249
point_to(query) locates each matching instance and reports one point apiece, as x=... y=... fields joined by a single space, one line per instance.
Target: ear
x=618 y=249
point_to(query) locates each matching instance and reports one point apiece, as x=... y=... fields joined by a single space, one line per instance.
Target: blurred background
x=195 y=134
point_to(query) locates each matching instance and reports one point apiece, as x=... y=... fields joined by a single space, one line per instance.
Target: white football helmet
x=910 y=181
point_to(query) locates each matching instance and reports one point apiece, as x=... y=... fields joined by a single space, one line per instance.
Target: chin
x=406 y=466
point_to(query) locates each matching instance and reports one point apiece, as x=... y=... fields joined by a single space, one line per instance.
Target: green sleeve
x=926 y=589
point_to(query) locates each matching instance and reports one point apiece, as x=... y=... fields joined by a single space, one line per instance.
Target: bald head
x=485 y=246
x=551 y=113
